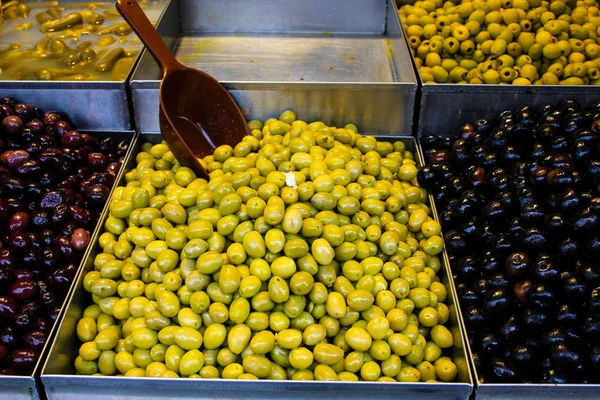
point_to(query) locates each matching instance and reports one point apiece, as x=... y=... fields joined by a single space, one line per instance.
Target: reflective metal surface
x=61 y=383
x=92 y=105
x=322 y=58
x=29 y=387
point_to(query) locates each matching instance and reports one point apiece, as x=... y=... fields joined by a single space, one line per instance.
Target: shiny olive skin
x=307 y=254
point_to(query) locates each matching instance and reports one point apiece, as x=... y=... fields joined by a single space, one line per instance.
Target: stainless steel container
x=92 y=105
x=327 y=59
x=511 y=391
x=444 y=109
x=29 y=387
x=62 y=384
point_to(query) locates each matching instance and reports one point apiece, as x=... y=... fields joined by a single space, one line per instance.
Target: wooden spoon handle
x=139 y=22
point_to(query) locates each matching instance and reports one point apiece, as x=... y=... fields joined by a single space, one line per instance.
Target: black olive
x=502 y=370
x=490 y=264
x=594 y=356
x=510 y=329
x=567 y=315
x=583 y=150
x=475 y=317
x=455 y=243
x=568 y=248
x=498 y=280
x=591 y=326
x=584 y=221
x=538 y=151
x=559 y=144
x=511 y=154
x=460 y=152
x=497 y=301
x=533 y=319
x=501 y=243
x=497 y=140
x=490 y=344
x=542 y=296
x=555 y=223
x=482 y=287
x=517 y=264
x=429 y=141
x=467 y=268
x=573 y=286
x=490 y=160
x=483 y=126
x=469 y=297
x=554 y=336
x=456 y=185
x=564 y=357
x=559 y=179
x=523 y=355
x=551 y=375
x=545 y=270
x=533 y=238
x=594 y=301
x=532 y=213
x=589 y=270
x=495 y=212
x=447 y=219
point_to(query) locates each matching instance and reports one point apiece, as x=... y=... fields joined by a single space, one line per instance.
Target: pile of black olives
x=519 y=205
x=54 y=182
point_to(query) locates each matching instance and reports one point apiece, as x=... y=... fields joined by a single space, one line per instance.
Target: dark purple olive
x=8 y=308
x=50 y=257
x=97 y=195
x=510 y=329
x=51 y=200
x=12 y=124
x=23 y=289
x=35 y=340
x=97 y=161
x=18 y=222
x=23 y=360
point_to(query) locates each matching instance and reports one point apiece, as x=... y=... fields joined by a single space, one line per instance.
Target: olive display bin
x=91 y=105
x=61 y=383
x=13 y=387
x=444 y=108
x=324 y=58
x=511 y=391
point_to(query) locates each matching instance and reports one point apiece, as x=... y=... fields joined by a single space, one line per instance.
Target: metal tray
x=346 y=56
x=13 y=387
x=511 y=391
x=92 y=105
x=444 y=108
x=62 y=384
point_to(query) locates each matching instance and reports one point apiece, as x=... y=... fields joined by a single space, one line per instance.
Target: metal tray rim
x=55 y=380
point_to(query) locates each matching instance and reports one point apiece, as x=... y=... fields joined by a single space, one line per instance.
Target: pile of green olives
x=519 y=42
x=310 y=254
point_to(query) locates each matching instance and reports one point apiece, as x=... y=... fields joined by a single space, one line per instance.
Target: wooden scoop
x=197 y=114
